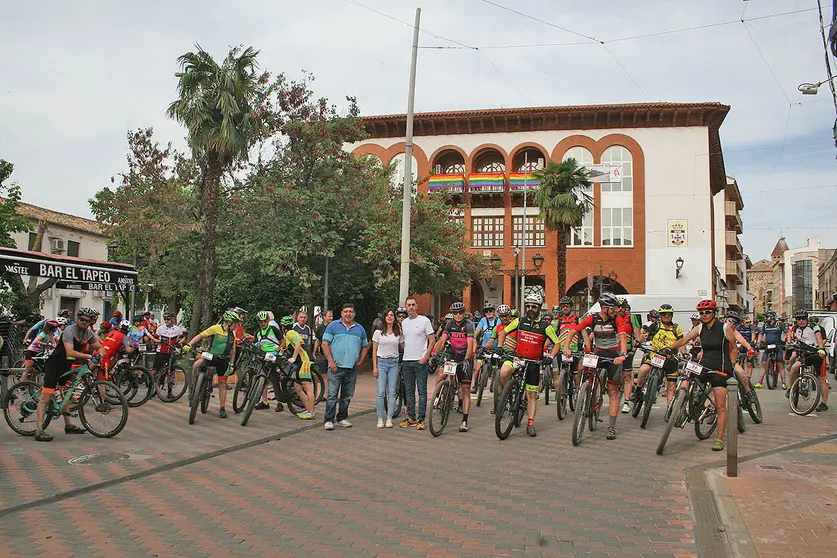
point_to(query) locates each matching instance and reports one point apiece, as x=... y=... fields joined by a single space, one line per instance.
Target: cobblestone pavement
x=369 y=492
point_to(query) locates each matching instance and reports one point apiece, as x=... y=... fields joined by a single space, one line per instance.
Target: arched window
x=582 y=236
x=449 y=162
x=398 y=175
x=529 y=159
x=488 y=161
x=617 y=202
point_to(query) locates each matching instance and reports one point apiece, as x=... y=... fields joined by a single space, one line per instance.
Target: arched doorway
x=477 y=296
x=595 y=285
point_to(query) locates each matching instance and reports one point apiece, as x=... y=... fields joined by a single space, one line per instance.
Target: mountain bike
x=201 y=393
x=772 y=372
x=546 y=380
x=37 y=373
x=646 y=400
x=257 y=384
x=590 y=395
x=444 y=395
x=487 y=372
x=248 y=366
x=171 y=380
x=101 y=406
x=692 y=402
x=565 y=392
x=804 y=394
x=289 y=377
x=134 y=380
x=753 y=407
x=512 y=405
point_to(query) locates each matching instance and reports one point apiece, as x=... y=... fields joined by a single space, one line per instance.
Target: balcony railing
x=733 y=242
x=494 y=182
x=733 y=271
x=448 y=182
x=732 y=216
x=520 y=180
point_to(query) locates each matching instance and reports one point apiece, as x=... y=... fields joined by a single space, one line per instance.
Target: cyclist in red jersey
x=611 y=338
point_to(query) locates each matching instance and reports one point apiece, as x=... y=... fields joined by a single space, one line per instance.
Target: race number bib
x=206 y=356
x=270 y=357
x=590 y=361
x=450 y=368
x=565 y=358
x=694 y=368
x=771 y=346
x=658 y=361
x=141 y=347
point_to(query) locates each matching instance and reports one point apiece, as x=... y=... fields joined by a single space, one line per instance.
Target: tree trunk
x=562 y=261
x=209 y=208
x=197 y=307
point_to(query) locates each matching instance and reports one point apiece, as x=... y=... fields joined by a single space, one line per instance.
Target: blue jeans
x=387 y=382
x=415 y=377
x=342 y=384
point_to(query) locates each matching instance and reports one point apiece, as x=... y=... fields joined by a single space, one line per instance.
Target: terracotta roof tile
x=63 y=219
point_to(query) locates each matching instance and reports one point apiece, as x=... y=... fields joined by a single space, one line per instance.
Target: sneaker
x=784 y=386
x=345 y=423
x=279 y=407
x=262 y=406
x=611 y=433
x=463 y=427
x=389 y=423
x=717 y=445
x=329 y=426
x=41 y=436
x=634 y=396
x=73 y=429
x=751 y=396
x=222 y=413
x=758 y=386
x=530 y=430
x=420 y=425
x=407 y=422
x=626 y=408
x=380 y=423
x=822 y=407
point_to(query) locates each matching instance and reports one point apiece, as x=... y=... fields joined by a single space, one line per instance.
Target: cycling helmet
x=262 y=316
x=800 y=315
x=695 y=316
x=547 y=317
x=137 y=318
x=53 y=323
x=105 y=325
x=65 y=313
x=770 y=314
x=707 y=305
x=61 y=321
x=653 y=314
x=401 y=311
x=457 y=307
x=503 y=310
x=623 y=302
x=448 y=316
x=747 y=320
x=169 y=316
x=607 y=299
x=88 y=313
x=515 y=313
x=564 y=300
x=733 y=315
x=533 y=298
x=124 y=324
x=117 y=313
x=230 y=316
x=665 y=309
x=489 y=307
x=239 y=310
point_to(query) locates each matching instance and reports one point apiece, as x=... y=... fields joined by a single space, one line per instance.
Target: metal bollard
x=732 y=427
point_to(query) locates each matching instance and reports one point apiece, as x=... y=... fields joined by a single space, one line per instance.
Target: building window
x=535 y=233
x=72 y=248
x=619 y=154
x=803 y=285
x=583 y=235
x=617 y=226
x=487 y=232
x=457 y=216
x=32 y=237
x=490 y=161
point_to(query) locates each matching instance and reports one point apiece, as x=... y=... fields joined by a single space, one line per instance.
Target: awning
x=77 y=273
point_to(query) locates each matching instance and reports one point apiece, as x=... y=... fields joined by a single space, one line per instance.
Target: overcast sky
x=77 y=75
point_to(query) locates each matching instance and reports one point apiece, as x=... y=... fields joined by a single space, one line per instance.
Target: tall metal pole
x=523 y=255
x=404 y=285
x=325 y=289
x=516 y=276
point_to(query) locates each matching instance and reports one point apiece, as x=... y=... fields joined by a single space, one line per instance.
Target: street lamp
x=537 y=261
x=678 y=265
x=813 y=88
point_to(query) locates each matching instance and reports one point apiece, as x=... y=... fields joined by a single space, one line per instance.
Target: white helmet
x=695 y=316
x=503 y=310
x=533 y=298
x=124 y=323
x=61 y=320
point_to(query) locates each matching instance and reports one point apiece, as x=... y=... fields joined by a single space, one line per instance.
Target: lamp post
x=678 y=265
x=516 y=272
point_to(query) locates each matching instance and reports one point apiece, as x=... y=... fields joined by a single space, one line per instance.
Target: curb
x=712 y=537
x=162 y=468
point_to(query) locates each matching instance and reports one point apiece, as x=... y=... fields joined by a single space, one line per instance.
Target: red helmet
x=106 y=326
x=707 y=305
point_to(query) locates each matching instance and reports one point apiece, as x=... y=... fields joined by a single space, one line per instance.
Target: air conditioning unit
x=57 y=245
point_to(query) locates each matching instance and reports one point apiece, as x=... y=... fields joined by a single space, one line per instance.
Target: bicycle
x=444 y=395
x=804 y=394
x=257 y=384
x=133 y=380
x=692 y=402
x=546 y=380
x=288 y=378
x=91 y=398
x=171 y=380
x=565 y=395
x=772 y=372
x=37 y=374
x=201 y=393
x=590 y=395
x=645 y=401
x=513 y=404
x=248 y=366
x=487 y=372
x=753 y=407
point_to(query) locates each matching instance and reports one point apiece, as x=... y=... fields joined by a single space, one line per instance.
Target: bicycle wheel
x=19 y=407
x=485 y=372
x=254 y=395
x=145 y=386
x=197 y=395
x=127 y=384
x=804 y=395
x=581 y=411
x=706 y=417
x=650 y=398
x=207 y=393
x=505 y=411
x=742 y=428
x=547 y=384
x=572 y=396
x=398 y=402
x=98 y=416
x=754 y=408
x=595 y=401
x=675 y=415
x=241 y=393
x=772 y=374
x=440 y=406
x=172 y=384
x=319 y=386
x=561 y=395
x=638 y=402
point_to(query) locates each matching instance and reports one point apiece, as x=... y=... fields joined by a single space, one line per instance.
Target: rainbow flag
x=491 y=182
x=518 y=179
x=451 y=181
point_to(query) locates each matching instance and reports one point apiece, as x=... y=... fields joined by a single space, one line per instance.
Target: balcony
x=518 y=181
x=453 y=183
x=733 y=243
x=736 y=301
x=733 y=272
x=732 y=217
x=489 y=184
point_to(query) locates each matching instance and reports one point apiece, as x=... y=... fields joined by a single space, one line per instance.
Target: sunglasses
x=459 y=313
x=706 y=312
x=84 y=320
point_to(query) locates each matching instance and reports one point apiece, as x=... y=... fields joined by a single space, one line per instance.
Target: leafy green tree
x=563 y=203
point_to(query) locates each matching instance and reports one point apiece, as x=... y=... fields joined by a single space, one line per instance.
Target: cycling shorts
x=465 y=371
x=715 y=378
x=815 y=361
x=55 y=374
x=220 y=364
x=669 y=368
x=777 y=352
x=614 y=372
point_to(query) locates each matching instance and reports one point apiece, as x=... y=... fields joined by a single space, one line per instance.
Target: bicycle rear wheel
x=207 y=393
x=772 y=374
x=804 y=395
x=241 y=393
x=705 y=415
x=319 y=386
x=197 y=395
x=742 y=428
x=595 y=401
x=100 y=417
x=172 y=383
x=650 y=398
x=19 y=407
x=581 y=410
x=505 y=410
x=440 y=406
x=754 y=408
x=677 y=409
x=547 y=383
x=485 y=372
x=254 y=395
x=400 y=395
x=561 y=395
x=145 y=386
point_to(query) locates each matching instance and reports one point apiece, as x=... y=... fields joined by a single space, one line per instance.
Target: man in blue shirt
x=345 y=346
x=485 y=326
x=748 y=331
x=772 y=334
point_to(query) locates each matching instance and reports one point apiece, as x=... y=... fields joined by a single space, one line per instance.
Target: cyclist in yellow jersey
x=222 y=346
x=662 y=335
x=299 y=360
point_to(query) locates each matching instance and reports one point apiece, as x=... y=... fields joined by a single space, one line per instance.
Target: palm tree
x=563 y=202
x=215 y=103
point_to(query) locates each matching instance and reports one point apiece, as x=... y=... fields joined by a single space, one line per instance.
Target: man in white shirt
x=418 y=342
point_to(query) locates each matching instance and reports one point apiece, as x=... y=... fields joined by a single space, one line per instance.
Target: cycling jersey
x=169 y=336
x=511 y=338
x=716 y=348
x=221 y=342
x=605 y=331
x=531 y=337
x=747 y=332
x=665 y=336
x=292 y=339
x=486 y=327
x=458 y=335
x=628 y=320
x=111 y=344
x=566 y=328
x=772 y=333
x=136 y=335
x=806 y=335
x=58 y=364
x=269 y=339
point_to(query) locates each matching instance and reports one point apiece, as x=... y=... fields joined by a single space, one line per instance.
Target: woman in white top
x=385 y=346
